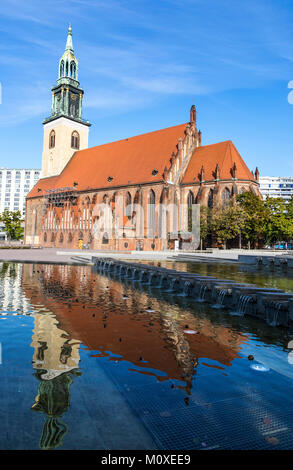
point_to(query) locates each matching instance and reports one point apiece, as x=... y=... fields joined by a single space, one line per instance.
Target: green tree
x=12 y=222
x=255 y=216
x=279 y=222
x=227 y=222
x=289 y=209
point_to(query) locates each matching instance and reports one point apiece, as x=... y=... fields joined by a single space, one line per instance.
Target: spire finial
x=69 y=45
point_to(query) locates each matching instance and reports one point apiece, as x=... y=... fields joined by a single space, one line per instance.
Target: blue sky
x=143 y=63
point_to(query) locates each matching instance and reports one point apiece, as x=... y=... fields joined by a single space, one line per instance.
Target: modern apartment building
x=276 y=186
x=14 y=185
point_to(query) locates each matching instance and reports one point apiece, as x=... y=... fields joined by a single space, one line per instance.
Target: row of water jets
x=168 y=285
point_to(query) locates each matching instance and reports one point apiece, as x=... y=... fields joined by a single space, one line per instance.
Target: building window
x=52 y=139
x=105 y=239
x=128 y=208
x=62 y=69
x=190 y=202
x=72 y=70
x=226 y=195
x=75 y=140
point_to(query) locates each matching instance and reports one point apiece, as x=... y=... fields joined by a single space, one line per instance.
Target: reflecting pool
x=271 y=277
x=91 y=362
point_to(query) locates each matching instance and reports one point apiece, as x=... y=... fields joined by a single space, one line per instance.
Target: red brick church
x=111 y=196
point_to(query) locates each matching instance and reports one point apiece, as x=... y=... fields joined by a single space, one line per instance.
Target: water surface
x=89 y=362
x=271 y=277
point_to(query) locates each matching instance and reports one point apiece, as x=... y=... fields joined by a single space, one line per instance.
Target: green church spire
x=68 y=64
x=67 y=94
x=69 y=45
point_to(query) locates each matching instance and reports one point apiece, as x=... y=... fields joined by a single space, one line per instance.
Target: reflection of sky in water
x=91 y=363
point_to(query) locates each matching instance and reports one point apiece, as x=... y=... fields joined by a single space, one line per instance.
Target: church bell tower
x=65 y=131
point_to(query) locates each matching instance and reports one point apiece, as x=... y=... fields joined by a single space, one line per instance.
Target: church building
x=110 y=197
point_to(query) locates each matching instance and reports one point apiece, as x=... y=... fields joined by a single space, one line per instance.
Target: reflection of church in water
x=72 y=305
x=55 y=360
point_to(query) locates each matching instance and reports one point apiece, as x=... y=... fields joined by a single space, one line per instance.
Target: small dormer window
x=75 y=140
x=52 y=140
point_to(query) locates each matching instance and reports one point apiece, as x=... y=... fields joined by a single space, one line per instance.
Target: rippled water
x=89 y=362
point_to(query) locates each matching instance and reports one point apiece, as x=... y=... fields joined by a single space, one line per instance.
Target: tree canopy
x=12 y=223
x=253 y=220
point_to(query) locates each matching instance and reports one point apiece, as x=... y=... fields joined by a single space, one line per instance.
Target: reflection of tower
x=53 y=399
x=54 y=350
x=56 y=358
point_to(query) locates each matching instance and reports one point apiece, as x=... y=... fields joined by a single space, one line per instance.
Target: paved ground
x=42 y=255
x=57 y=255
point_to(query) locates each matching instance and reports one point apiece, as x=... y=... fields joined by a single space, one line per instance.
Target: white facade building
x=14 y=186
x=276 y=186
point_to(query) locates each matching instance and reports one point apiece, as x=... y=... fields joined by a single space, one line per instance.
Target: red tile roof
x=43 y=184
x=128 y=161
x=131 y=161
x=224 y=154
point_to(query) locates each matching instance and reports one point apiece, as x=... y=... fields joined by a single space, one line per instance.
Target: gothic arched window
x=75 y=140
x=52 y=139
x=211 y=199
x=105 y=239
x=62 y=69
x=162 y=222
x=105 y=199
x=66 y=69
x=152 y=213
x=226 y=195
x=113 y=203
x=190 y=202
x=128 y=206
x=72 y=70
